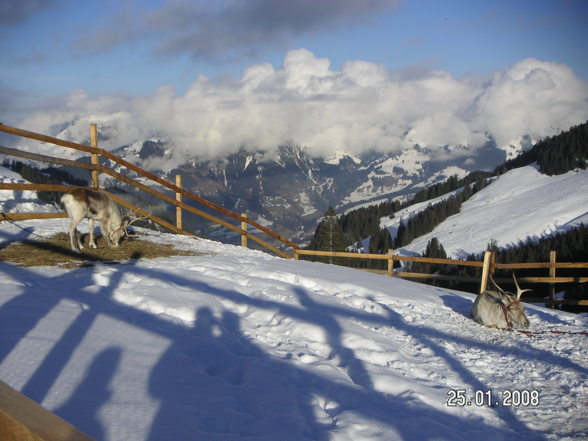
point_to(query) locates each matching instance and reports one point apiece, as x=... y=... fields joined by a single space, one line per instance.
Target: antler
x=519 y=290
x=496 y=284
x=135 y=218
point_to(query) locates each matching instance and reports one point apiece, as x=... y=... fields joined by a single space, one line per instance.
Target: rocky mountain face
x=289 y=191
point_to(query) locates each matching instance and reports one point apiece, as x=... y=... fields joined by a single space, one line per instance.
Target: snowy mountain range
x=289 y=190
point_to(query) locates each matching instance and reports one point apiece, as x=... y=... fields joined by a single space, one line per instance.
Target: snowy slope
x=234 y=344
x=519 y=204
x=15 y=201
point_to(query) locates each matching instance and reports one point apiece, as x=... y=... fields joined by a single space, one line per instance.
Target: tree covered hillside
x=554 y=156
x=365 y=222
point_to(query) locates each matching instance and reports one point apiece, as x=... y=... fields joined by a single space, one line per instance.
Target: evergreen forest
x=554 y=155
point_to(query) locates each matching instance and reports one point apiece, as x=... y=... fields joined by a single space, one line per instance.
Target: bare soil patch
x=55 y=251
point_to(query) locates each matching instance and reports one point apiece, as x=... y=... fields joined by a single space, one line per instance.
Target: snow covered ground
x=520 y=204
x=235 y=344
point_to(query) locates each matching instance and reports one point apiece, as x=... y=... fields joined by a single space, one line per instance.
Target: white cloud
x=361 y=107
x=530 y=98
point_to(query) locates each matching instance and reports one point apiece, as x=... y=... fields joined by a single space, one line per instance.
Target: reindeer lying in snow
x=500 y=309
x=83 y=203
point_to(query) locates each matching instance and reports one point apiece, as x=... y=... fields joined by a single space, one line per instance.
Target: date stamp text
x=506 y=398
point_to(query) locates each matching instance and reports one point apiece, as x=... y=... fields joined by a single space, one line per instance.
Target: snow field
x=518 y=205
x=234 y=344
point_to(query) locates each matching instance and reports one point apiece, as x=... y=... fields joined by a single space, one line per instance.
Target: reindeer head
x=122 y=230
x=115 y=236
x=514 y=311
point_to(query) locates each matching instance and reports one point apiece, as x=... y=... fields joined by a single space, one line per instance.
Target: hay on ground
x=55 y=251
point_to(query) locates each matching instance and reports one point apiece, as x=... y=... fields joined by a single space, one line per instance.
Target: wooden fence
x=95 y=168
x=488 y=267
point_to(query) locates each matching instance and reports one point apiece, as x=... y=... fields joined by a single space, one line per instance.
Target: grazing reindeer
x=83 y=203
x=500 y=309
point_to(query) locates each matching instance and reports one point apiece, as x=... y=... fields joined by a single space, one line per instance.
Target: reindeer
x=83 y=203
x=500 y=309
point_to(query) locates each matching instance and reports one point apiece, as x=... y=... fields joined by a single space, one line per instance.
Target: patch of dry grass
x=55 y=251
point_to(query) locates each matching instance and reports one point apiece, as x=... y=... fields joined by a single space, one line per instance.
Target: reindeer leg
x=74 y=238
x=105 y=234
x=91 y=223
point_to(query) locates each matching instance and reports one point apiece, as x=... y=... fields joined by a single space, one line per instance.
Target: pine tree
x=492 y=245
x=328 y=236
x=433 y=250
x=380 y=243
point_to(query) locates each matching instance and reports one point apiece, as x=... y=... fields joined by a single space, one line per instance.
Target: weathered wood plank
x=28 y=216
x=23 y=419
x=387 y=257
x=45 y=158
x=48 y=139
x=546 y=265
x=342 y=254
x=35 y=187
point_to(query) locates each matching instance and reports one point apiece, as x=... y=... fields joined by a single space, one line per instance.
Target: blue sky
x=131 y=48
x=46 y=51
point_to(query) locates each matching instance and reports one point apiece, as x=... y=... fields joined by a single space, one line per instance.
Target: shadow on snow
x=213 y=383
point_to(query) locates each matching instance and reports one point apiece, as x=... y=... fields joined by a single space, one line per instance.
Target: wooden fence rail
x=488 y=266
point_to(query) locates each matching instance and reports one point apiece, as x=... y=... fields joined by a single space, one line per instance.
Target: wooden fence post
x=94 y=157
x=486 y=270
x=552 y=260
x=390 y=263
x=179 y=222
x=244 y=231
